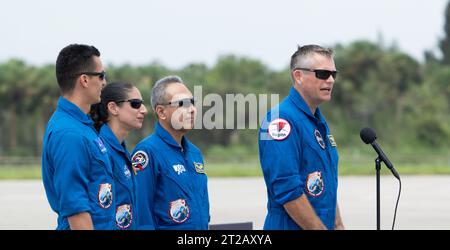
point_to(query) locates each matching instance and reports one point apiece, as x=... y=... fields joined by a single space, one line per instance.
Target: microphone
x=368 y=136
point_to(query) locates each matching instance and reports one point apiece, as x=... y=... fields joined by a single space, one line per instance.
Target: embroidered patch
x=179 y=211
x=314 y=184
x=199 y=168
x=319 y=138
x=139 y=161
x=332 y=141
x=279 y=129
x=179 y=169
x=126 y=171
x=105 y=195
x=124 y=217
x=101 y=145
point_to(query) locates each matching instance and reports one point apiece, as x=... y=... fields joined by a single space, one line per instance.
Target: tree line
x=406 y=101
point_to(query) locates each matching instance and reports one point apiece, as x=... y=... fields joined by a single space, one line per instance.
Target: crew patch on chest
x=179 y=211
x=139 y=161
x=314 y=184
x=279 y=129
x=124 y=217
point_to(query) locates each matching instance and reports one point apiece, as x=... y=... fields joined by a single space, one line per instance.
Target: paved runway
x=424 y=202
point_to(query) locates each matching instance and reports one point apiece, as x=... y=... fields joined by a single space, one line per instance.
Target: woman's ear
x=112 y=108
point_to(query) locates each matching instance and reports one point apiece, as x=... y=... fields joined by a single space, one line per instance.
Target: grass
x=29 y=172
x=251 y=169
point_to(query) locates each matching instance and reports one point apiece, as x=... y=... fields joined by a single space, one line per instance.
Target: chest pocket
x=316 y=167
x=179 y=174
x=313 y=154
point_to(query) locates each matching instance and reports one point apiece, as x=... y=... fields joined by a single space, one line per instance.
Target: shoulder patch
x=279 y=129
x=139 y=161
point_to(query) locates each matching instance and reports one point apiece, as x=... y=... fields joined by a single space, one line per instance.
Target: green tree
x=444 y=44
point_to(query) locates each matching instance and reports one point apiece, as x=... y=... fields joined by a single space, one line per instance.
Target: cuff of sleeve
x=69 y=211
x=287 y=189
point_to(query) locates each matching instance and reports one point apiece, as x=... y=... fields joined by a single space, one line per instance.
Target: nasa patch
x=139 y=161
x=279 y=129
x=126 y=172
x=101 y=145
x=105 y=195
x=179 y=211
x=319 y=139
x=179 y=168
x=314 y=184
x=124 y=217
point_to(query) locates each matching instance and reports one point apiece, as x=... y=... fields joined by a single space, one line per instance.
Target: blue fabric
x=76 y=170
x=172 y=193
x=124 y=180
x=297 y=164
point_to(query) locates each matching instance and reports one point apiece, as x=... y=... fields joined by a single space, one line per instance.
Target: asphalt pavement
x=424 y=202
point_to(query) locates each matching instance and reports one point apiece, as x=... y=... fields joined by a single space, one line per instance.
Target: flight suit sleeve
x=147 y=173
x=280 y=159
x=71 y=160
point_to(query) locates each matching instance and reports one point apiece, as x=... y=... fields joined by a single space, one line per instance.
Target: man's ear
x=159 y=110
x=83 y=81
x=112 y=108
x=298 y=76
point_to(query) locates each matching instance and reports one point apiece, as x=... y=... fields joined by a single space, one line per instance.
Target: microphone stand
x=378 y=168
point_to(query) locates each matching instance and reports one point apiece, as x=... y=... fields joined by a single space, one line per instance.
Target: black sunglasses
x=322 y=74
x=186 y=102
x=134 y=103
x=101 y=75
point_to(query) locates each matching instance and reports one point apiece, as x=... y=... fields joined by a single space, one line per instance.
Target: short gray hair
x=302 y=57
x=159 y=89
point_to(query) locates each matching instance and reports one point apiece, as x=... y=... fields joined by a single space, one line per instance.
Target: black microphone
x=368 y=136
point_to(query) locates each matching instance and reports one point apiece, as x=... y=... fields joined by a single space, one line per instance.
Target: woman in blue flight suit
x=119 y=112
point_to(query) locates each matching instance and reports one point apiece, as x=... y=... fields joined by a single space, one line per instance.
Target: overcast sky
x=179 y=32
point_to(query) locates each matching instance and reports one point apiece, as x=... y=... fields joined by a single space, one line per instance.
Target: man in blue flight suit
x=297 y=152
x=76 y=170
x=172 y=183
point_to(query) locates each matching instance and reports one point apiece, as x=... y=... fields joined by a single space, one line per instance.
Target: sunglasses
x=134 y=103
x=186 y=102
x=101 y=75
x=322 y=74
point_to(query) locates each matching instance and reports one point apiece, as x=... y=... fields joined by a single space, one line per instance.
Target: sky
x=178 y=32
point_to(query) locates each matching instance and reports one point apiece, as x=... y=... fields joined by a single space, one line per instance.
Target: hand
x=339 y=227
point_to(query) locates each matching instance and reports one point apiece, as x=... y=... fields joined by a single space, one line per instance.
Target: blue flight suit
x=76 y=170
x=298 y=156
x=124 y=180
x=173 y=192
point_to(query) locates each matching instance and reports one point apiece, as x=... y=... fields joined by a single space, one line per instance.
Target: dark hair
x=113 y=92
x=72 y=60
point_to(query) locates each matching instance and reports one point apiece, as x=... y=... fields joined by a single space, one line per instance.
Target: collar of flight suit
x=111 y=139
x=167 y=138
x=300 y=103
x=74 y=111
